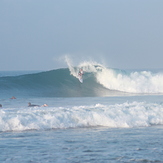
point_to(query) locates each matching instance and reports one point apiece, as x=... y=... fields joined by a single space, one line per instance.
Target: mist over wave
x=98 y=80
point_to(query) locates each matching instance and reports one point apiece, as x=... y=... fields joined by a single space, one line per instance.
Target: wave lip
x=98 y=80
x=125 y=115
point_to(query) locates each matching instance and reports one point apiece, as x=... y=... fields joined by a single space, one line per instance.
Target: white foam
x=87 y=66
x=135 y=82
x=135 y=114
x=132 y=82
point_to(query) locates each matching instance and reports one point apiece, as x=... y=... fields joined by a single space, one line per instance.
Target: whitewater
x=113 y=116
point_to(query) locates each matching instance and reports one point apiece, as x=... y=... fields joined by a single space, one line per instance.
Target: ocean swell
x=98 y=80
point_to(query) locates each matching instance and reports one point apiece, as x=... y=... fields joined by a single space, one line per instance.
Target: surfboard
x=80 y=79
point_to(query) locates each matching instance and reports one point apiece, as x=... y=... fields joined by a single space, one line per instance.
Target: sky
x=37 y=34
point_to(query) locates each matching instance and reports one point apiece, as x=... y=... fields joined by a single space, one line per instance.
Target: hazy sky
x=36 y=34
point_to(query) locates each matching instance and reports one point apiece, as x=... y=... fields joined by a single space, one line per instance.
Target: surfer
x=45 y=105
x=80 y=75
x=13 y=97
x=32 y=105
x=0 y=105
x=81 y=72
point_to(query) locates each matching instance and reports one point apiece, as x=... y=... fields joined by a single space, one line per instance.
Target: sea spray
x=121 y=80
x=72 y=70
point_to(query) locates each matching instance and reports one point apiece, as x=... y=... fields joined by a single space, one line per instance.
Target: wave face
x=125 y=115
x=98 y=80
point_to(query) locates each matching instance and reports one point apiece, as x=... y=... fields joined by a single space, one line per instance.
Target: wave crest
x=98 y=80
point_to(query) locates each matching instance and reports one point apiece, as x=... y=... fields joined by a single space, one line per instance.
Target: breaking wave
x=98 y=80
x=125 y=115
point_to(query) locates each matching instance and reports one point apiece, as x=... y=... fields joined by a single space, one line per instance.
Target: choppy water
x=90 y=129
x=113 y=116
x=99 y=144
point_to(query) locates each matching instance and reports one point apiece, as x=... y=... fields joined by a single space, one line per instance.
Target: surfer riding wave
x=80 y=75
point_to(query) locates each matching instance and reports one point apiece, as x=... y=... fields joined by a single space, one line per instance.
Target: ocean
x=114 y=116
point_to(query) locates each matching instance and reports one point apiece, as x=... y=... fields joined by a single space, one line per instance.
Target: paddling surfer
x=32 y=105
x=13 y=97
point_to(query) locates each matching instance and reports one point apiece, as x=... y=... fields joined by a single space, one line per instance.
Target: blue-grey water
x=96 y=121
